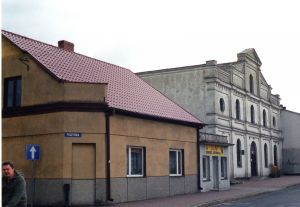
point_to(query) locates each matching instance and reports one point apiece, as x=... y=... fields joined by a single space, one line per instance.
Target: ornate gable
x=249 y=54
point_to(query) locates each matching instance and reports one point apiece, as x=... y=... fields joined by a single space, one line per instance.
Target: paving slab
x=252 y=187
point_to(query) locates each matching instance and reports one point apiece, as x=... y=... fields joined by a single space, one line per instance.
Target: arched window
x=222 y=104
x=274 y=122
x=264 y=118
x=251 y=84
x=252 y=114
x=238 y=153
x=266 y=154
x=275 y=156
x=237 y=109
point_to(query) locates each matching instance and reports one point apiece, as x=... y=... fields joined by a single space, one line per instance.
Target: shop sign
x=214 y=150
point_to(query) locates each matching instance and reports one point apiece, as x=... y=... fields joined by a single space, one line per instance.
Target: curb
x=250 y=195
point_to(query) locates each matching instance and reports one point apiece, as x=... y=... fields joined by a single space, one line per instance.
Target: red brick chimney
x=69 y=46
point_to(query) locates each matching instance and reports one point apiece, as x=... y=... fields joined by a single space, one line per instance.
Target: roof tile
x=126 y=91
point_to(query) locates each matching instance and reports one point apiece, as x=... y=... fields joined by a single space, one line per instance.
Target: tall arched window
x=251 y=84
x=264 y=118
x=252 y=114
x=222 y=104
x=237 y=109
x=238 y=153
x=266 y=154
x=275 y=156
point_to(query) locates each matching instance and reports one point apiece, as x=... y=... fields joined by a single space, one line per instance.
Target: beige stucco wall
x=157 y=138
x=47 y=130
x=39 y=86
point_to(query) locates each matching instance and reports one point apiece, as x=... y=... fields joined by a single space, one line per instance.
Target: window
x=264 y=118
x=252 y=114
x=175 y=162
x=222 y=105
x=275 y=155
x=206 y=168
x=135 y=162
x=12 y=92
x=266 y=154
x=274 y=122
x=238 y=153
x=223 y=167
x=251 y=84
x=237 y=109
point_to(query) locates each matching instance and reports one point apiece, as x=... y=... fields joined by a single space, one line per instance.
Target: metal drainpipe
x=198 y=159
x=107 y=140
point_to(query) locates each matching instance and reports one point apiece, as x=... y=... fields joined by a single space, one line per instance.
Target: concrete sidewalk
x=252 y=187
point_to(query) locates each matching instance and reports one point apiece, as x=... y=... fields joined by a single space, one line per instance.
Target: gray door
x=83 y=174
x=216 y=172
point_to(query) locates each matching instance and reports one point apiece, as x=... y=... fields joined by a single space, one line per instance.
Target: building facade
x=104 y=134
x=234 y=100
x=290 y=122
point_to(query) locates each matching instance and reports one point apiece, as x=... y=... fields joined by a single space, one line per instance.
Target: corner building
x=104 y=134
x=235 y=101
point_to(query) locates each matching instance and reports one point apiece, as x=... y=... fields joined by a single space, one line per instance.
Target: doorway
x=275 y=156
x=216 y=172
x=253 y=159
x=83 y=174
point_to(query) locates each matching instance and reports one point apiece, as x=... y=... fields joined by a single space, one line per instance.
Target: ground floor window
x=206 y=167
x=135 y=161
x=175 y=162
x=223 y=167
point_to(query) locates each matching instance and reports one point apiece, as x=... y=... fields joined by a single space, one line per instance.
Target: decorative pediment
x=249 y=54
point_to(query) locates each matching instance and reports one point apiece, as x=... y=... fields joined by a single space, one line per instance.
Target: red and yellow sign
x=214 y=150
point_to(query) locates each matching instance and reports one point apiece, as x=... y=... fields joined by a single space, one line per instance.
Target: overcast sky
x=149 y=35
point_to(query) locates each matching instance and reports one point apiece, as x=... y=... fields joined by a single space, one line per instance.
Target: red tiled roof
x=125 y=91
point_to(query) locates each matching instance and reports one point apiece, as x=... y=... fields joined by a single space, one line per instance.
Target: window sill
x=135 y=176
x=175 y=175
x=206 y=180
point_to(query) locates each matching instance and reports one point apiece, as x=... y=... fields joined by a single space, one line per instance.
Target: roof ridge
x=31 y=39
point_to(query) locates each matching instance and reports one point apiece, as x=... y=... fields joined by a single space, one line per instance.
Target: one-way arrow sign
x=32 y=152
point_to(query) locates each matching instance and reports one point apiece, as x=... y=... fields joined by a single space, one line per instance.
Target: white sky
x=149 y=35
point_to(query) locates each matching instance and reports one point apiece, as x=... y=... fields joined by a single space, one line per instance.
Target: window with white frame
x=135 y=161
x=206 y=168
x=223 y=167
x=175 y=162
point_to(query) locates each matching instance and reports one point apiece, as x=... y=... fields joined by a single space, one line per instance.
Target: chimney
x=211 y=62
x=69 y=46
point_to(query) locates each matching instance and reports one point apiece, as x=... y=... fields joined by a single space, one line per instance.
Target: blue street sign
x=32 y=152
x=73 y=134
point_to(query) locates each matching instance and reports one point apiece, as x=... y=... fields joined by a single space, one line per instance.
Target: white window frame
x=207 y=167
x=129 y=162
x=178 y=162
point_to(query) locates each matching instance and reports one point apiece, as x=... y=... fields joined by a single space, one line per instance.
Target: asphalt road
x=289 y=197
